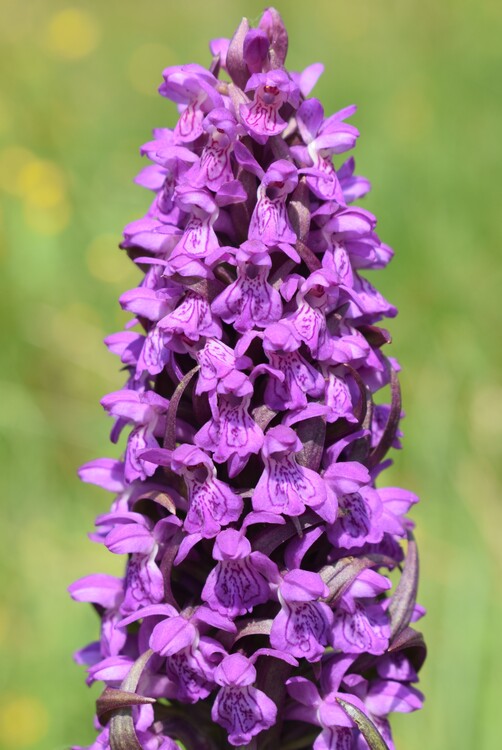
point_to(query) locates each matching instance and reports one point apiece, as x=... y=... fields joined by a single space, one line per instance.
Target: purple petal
x=364 y=630
x=243 y=712
x=172 y=635
x=235 y=671
x=105 y=472
x=304 y=691
x=302 y=629
x=387 y=696
x=303 y=586
x=256 y=45
x=99 y=588
x=130 y=537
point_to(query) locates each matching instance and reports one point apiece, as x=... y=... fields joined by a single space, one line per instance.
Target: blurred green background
x=78 y=98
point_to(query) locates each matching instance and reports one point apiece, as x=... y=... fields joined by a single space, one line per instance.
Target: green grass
x=74 y=108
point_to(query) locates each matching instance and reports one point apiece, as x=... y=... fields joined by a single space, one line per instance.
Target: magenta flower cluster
x=256 y=608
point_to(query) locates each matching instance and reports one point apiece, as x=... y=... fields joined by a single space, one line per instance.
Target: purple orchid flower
x=270 y=223
x=170 y=162
x=133 y=534
x=361 y=625
x=147 y=411
x=261 y=117
x=107 y=592
x=242 y=709
x=231 y=434
x=218 y=363
x=214 y=168
x=241 y=579
x=293 y=378
x=250 y=301
x=191 y=319
x=195 y=89
x=287 y=487
x=324 y=138
x=256 y=608
x=303 y=626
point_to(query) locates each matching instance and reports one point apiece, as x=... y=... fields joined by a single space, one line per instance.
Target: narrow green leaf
x=166 y=566
x=162 y=498
x=375 y=335
x=254 y=627
x=172 y=411
x=277 y=278
x=312 y=433
x=263 y=415
x=299 y=209
x=309 y=258
x=364 y=409
x=207 y=288
x=365 y=726
x=122 y=732
x=411 y=641
x=271 y=538
x=403 y=600
x=390 y=429
x=112 y=699
x=340 y=576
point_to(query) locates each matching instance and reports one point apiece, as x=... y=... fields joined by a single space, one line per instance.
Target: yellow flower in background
x=71 y=34
x=41 y=183
x=13 y=160
x=23 y=722
x=43 y=186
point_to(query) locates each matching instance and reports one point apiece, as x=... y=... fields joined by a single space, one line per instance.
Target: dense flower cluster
x=256 y=608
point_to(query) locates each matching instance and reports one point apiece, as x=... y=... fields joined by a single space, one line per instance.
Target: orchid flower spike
x=256 y=608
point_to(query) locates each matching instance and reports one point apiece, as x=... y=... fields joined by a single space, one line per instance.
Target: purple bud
x=273 y=26
x=256 y=46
